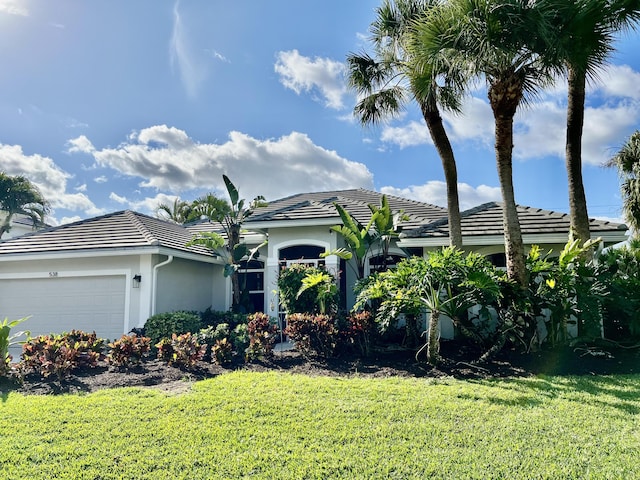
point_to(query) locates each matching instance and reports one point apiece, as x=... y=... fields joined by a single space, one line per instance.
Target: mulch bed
x=458 y=362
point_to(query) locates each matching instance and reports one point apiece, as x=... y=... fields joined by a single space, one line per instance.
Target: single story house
x=112 y=272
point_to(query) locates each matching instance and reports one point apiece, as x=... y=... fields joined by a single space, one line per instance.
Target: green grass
x=271 y=425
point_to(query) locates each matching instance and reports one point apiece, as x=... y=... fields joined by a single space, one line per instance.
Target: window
x=251 y=278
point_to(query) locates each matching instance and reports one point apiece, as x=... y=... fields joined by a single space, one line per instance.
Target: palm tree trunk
x=504 y=97
x=441 y=141
x=433 y=341
x=575 y=121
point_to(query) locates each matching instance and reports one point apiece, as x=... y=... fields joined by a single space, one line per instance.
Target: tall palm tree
x=19 y=196
x=627 y=161
x=500 y=41
x=389 y=80
x=586 y=31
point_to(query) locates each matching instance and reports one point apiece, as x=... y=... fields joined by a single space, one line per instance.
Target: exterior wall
x=188 y=285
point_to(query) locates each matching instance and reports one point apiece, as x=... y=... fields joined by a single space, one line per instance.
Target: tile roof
x=486 y=219
x=119 y=230
x=313 y=206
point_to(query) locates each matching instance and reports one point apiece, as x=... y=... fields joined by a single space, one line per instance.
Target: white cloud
x=191 y=69
x=117 y=198
x=101 y=179
x=80 y=144
x=14 y=7
x=409 y=135
x=167 y=159
x=303 y=74
x=65 y=220
x=81 y=188
x=47 y=176
x=620 y=81
x=435 y=193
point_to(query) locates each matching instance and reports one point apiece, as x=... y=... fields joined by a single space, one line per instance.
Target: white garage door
x=62 y=304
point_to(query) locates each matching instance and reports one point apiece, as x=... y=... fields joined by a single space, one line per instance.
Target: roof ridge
x=142 y=228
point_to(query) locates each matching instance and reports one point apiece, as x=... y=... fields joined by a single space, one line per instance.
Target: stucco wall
x=188 y=285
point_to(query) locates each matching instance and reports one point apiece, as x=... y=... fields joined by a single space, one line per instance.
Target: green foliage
x=212 y=318
x=8 y=339
x=128 y=350
x=240 y=337
x=570 y=289
x=18 y=195
x=163 y=325
x=290 y=283
x=60 y=355
x=619 y=269
x=262 y=330
x=182 y=351
x=325 y=288
x=313 y=334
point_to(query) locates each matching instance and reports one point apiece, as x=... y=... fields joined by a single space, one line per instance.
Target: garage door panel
x=66 y=303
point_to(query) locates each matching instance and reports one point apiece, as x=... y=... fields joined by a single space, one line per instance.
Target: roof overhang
x=309 y=222
x=93 y=253
x=608 y=238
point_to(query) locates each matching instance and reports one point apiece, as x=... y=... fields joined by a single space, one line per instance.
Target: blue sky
x=110 y=105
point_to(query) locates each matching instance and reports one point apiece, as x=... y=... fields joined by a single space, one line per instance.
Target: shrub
x=164 y=325
x=358 y=331
x=181 y=350
x=210 y=335
x=262 y=335
x=213 y=318
x=313 y=334
x=222 y=351
x=240 y=337
x=128 y=350
x=61 y=354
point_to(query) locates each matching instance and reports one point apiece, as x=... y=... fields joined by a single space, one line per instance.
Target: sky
x=112 y=105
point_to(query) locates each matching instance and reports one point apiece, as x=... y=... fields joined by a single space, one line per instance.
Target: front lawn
x=278 y=425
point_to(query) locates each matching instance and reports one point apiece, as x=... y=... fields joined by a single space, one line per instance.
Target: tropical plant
x=8 y=339
x=290 y=283
x=179 y=212
x=386 y=226
x=181 y=350
x=313 y=334
x=210 y=207
x=229 y=246
x=586 y=31
x=358 y=238
x=388 y=80
x=19 y=196
x=324 y=286
x=627 y=161
x=262 y=331
x=128 y=350
x=501 y=42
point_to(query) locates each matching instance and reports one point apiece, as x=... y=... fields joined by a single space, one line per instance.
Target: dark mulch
x=458 y=362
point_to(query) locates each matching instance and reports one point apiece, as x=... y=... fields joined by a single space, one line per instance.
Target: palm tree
x=586 y=30
x=627 y=161
x=500 y=42
x=209 y=206
x=19 y=196
x=388 y=81
x=179 y=212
